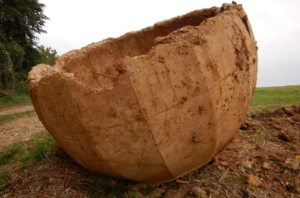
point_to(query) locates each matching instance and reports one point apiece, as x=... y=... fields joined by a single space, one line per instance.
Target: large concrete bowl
x=155 y=104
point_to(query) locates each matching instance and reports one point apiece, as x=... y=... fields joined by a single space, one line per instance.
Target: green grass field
x=276 y=96
x=18 y=96
x=266 y=96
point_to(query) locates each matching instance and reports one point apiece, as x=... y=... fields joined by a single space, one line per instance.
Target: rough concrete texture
x=155 y=104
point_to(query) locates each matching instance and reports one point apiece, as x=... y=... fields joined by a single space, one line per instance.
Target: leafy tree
x=21 y=19
x=6 y=70
x=16 y=53
x=47 y=55
x=32 y=57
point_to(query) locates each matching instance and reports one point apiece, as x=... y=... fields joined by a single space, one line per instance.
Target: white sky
x=74 y=24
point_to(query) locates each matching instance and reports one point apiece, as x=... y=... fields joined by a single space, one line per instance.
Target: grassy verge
x=10 y=153
x=24 y=155
x=34 y=150
x=271 y=98
x=18 y=96
x=39 y=147
x=5 y=118
x=276 y=96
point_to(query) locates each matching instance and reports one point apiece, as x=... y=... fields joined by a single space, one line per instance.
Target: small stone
x=196 y=181
x=253 y=180
x=226 y=164
x=292 y=164
x=247 y=164
x=266 y=165
x=198 y=192
x=221 y=168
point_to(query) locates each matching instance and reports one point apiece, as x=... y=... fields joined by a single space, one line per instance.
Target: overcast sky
x=74 y=24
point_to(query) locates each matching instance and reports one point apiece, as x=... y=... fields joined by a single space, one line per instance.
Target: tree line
x=20 y=21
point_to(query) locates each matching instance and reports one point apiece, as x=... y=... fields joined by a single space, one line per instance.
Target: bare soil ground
x=263 y=160
x=20 y=129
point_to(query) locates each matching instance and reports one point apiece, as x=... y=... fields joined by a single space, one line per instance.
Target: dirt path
x=19 y=129
x=15 y=109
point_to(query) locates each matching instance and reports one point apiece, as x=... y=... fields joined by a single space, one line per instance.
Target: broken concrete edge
x=41 y=70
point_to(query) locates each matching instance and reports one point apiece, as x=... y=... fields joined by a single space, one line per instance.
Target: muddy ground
x=263 y=160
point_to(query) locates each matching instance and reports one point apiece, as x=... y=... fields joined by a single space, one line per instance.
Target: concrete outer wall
x=155 y=116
